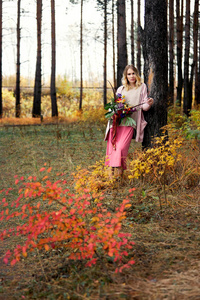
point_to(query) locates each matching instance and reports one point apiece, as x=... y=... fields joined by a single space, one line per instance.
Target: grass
x=167 y=242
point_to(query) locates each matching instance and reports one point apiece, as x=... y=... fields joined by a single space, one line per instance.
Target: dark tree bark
x=105 y=55
x=154 y=42
x=179 y=33
x=38 y=73
x=53 y=62
x=171 y=52
x=138 y=40
x=1 y=104
x=132 y=35
x=81 y=58
x=198 y=76
x=17 y=89
x=113 y=42
x=186 y=101
x=195 y=40
x=121 y=40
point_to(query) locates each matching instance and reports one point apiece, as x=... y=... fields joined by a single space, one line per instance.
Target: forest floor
x=167 y=241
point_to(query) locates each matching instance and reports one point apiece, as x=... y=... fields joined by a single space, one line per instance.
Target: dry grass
x=167 y=242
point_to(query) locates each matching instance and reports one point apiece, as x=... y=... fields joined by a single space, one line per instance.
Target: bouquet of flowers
x=119 y=112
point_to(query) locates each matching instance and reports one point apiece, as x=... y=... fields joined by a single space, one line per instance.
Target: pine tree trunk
x=198 y=76
x=138 y=40
x=1 y=102
x=195 y=39
x=38 y=74
x=113 y=42
x=17 y=89
x=121 y=40
x=81 y=58
x=154 y=42
x=132 y=35
x=105 y=55
x=53 y=62
x=179 y=33
x=186 y=100
x=171 y=52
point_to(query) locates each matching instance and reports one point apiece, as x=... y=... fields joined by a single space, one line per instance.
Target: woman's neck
x=132 y=85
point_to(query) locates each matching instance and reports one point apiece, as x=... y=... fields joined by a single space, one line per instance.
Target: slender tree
x=105 y=54
x=121 y=39
x=154 y=42
x=186 y=102
x=171 y=51
x=81 y=57
x=138 y=39
x=17 y=89
x=38 y=73
x=1 y=104
x=113 y=42
x=132 y=35
x=179 y=34
x=53 y=62
x=195 y=40
x=198 y=76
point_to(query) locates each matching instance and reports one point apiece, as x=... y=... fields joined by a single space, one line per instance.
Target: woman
x=135 y=92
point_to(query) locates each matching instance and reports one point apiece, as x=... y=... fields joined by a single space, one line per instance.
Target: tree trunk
x=195 y=39
x=186 y=100
x=138 y=41
x=179 y=33
x=105 y=55
x=121 y=40
x=132 y=35
x=171 y=52
x=81 y=57
x=113 y=42
x=17 y=89
x=1 y=104
x=198 y=77
x=53 y=62
x=154 y=42
x=38 y=73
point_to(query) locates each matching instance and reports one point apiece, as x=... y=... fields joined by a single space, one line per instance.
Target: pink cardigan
x=141 y=123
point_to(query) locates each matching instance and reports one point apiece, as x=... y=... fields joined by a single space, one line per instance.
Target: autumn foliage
x=52 y=217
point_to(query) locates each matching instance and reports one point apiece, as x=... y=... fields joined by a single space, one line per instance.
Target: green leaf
x=128 y=122
x=109 y=114
x=107 y=106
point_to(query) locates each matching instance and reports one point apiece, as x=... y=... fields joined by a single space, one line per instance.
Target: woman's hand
x=150 y=101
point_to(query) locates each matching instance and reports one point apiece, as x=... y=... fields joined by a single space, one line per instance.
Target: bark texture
x=132 y=35
x=138 y=39
x=179 y=34
x=17 y=89
x=38 y=73
x=195 y=40
x=186 y=100
x=105 y=55
x=53 y=62
x=81 y=58
x=121 y=40
x=171 y=52
x=154 y=41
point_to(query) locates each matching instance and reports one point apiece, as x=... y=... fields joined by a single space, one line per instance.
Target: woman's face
x=131 y=77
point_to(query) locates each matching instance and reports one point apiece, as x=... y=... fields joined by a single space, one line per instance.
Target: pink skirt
x=117 y=157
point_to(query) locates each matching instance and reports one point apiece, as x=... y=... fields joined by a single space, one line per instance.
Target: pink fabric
x=117 y=158
x=141 y=123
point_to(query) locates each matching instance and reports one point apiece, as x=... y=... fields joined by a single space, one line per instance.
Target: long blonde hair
x=125 y=81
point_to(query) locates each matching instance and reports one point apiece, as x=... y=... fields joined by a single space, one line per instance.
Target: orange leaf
x=46 y=247
x=49 y=170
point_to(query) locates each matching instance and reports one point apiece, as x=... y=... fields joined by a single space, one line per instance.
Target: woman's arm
x=147 y=102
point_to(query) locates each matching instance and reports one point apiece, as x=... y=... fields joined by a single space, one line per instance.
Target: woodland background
x=67 y=231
